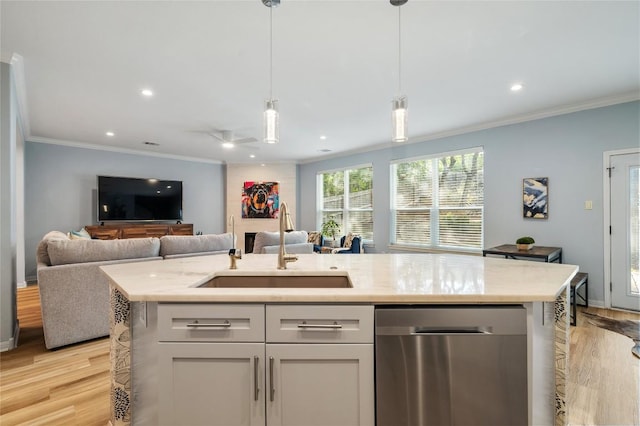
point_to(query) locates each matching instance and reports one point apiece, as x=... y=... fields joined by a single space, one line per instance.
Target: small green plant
x=330 y=228
x=525 y=240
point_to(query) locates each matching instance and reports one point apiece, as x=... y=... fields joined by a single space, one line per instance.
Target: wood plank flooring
x=70 y=386
x=67 y=386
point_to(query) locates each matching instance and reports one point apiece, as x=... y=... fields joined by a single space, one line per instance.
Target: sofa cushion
x=64 y=252
x=264 y=239
x=182 y=244
x=42 y=253
x=298 y=248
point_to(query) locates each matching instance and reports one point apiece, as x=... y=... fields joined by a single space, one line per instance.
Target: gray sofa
x=294 y=242
x=74 y=293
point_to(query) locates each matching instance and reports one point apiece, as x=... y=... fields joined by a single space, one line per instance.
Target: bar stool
x=581 y=279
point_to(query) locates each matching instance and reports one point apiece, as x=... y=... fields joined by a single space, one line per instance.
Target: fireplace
x=249 y=238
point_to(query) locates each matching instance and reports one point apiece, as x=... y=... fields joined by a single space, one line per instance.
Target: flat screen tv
x=135 y=199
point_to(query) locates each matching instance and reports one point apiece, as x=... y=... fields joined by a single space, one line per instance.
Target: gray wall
x=568 y=149
x=60 y=189
x=8 y=224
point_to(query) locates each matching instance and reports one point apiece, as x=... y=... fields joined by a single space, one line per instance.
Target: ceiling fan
x=228 y=139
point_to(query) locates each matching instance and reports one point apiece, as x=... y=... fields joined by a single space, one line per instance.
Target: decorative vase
x=524 y=247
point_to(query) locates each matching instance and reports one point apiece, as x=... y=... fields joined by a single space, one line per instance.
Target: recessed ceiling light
x=323 y=137
x=516 y=87
x=228 y=145
x=110 y=134
x=263 y=164
x=252 y=156
x=147 y=92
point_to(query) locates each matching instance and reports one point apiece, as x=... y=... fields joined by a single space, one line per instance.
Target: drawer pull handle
x=334 y=326
x=196 y=324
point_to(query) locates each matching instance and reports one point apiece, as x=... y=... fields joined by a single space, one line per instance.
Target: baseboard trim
x=12 y=343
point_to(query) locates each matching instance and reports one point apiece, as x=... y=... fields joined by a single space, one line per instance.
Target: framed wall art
x=535 y=197
x=260 y=200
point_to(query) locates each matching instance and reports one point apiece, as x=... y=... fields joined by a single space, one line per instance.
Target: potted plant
x=524 y=243
x=330 y=229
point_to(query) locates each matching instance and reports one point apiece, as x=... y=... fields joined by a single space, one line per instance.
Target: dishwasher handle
x=438 y=331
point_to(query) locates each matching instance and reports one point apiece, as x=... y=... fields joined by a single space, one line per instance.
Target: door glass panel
x=634 y=227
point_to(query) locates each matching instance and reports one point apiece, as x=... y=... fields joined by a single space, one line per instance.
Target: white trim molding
x=606 y=216
x=12 y=343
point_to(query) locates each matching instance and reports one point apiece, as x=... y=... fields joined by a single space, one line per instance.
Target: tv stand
x=114 y=231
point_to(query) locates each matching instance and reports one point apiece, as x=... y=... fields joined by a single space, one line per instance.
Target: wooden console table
x=548 y=254
x=138 y=230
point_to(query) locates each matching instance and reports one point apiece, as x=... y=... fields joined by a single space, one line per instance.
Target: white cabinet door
x=213 y=384
x=320 y=385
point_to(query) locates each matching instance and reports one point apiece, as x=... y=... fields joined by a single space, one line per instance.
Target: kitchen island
x=142 y=293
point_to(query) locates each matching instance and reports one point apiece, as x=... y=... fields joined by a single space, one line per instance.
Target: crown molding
x=84 y=145
x=507 y=121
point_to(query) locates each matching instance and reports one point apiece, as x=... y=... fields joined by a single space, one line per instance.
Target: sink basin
x=289 y=281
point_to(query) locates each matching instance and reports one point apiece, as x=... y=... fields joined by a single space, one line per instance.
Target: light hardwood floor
x=70 y=386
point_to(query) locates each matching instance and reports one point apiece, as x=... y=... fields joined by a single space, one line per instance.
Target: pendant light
x=271 y=119
x=399 y=105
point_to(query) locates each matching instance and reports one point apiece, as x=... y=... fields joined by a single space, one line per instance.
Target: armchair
x=349 y=244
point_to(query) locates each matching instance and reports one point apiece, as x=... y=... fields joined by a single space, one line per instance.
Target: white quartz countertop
x=376 y=278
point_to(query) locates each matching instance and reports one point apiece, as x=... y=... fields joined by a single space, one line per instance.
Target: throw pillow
x=348 y=240
x=82 y=234
x=315 y=238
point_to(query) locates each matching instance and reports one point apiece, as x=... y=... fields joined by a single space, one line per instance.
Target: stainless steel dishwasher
x=451 y=366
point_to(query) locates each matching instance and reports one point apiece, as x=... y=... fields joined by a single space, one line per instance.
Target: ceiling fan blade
x=245 y=140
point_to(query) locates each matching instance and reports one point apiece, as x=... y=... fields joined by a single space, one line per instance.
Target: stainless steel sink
x=289 y=281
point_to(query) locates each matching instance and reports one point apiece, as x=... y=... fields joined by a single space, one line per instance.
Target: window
x=347 y=197
x=437 y=202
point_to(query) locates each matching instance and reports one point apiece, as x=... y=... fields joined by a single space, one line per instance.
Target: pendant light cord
x=271 y=51
x=399 y=52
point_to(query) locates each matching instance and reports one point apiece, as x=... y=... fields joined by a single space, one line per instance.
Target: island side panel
x=120 y=355
x=561 y=356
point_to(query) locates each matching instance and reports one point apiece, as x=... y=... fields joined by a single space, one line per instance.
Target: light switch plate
x=588 y=205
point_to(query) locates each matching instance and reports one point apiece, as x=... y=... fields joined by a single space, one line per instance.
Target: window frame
x=435 y=209
x=345 y=210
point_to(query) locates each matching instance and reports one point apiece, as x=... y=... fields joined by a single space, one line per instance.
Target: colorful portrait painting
x=535 y=193
x=260 y=200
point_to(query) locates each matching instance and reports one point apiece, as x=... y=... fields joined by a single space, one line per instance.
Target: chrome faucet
x=283 y=257
x=234 y=254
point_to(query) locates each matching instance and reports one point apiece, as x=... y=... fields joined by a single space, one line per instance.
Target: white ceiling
x=335 y=69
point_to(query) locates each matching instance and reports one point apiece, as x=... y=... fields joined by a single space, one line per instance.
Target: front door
x=625 y=231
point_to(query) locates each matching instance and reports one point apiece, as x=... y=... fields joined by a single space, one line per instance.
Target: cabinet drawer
x=202 y=322
x=319 y=324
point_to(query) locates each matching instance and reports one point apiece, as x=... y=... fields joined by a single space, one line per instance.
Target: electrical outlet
x=588 y=205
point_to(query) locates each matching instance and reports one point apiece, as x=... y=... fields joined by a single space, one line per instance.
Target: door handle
x=256 y=388
x=272 y=388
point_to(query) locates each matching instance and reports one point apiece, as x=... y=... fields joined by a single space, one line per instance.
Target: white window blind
x=438 y=202
x=347 y=197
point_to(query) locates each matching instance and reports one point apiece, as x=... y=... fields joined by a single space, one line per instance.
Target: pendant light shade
x=399 y=105
x=399 y=119
x=271 y=116
x=271 y=121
